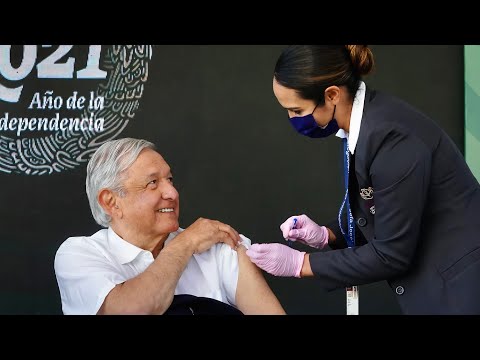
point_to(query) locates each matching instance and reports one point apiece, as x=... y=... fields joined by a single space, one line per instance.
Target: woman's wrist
x=331 y=237
x=306 y=269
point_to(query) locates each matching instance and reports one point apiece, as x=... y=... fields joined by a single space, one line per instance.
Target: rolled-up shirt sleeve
x=84 y=278
x=227 y=260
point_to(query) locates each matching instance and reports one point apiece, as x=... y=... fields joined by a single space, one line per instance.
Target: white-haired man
x=143 y=259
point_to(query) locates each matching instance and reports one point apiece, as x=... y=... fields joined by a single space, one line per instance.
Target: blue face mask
x=307 y=126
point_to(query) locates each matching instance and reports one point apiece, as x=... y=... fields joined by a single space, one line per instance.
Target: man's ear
x=108 y=201
x=332 y=94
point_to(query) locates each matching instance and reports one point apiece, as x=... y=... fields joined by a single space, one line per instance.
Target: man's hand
x=204 y=233
x=277 y=259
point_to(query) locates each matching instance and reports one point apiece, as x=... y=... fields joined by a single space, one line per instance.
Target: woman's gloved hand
x=277 y=259
x=306 y=231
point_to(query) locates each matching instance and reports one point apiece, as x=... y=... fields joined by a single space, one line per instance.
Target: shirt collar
x=355 y=119
x=124 y=251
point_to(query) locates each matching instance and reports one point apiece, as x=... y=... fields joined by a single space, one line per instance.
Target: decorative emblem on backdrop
x=99 y=115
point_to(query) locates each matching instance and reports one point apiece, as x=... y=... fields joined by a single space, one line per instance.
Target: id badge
x=352 y=300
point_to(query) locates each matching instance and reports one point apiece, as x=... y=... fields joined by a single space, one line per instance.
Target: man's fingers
x=227 y=239
x=231 y=232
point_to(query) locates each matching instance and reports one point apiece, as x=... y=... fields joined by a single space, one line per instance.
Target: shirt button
x=361 y=222
x=399 y=290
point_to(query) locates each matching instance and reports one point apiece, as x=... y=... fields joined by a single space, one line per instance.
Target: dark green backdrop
x=212 y=113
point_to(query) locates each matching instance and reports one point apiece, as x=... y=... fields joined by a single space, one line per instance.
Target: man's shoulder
x=226 y=252
x=83 y=242
x=220 y=249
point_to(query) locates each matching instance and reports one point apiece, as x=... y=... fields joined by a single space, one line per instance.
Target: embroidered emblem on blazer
x=366 y=194
x=372 y=210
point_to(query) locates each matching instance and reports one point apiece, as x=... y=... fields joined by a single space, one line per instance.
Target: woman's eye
x=153 y=182
x=170 y=179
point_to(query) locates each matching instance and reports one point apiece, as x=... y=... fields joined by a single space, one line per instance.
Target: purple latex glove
x=306 y=231
x=277 y=259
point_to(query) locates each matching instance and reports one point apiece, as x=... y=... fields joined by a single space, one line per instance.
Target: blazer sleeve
x=340 y=242
x=400 y=173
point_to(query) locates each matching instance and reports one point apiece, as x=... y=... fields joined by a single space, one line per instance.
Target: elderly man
x=143 y=259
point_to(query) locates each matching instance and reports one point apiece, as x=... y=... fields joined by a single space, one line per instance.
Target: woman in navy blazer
x=411 y=214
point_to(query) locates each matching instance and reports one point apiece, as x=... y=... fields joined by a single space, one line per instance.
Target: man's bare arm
x=152 y=291
x=254 y=296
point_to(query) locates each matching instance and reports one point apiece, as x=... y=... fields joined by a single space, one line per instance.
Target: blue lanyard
x=350 y=237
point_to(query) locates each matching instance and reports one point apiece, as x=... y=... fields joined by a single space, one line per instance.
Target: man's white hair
x=106 y=170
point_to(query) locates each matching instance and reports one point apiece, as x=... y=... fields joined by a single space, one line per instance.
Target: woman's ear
x=108 y=201
x=332 y=94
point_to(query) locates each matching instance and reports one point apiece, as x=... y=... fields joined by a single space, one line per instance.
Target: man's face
x=151 y=205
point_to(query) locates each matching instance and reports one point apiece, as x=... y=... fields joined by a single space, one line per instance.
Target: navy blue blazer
x=417 y=210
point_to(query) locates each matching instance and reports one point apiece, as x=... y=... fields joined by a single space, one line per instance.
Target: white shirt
x=355 y=119
x=89 y=267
